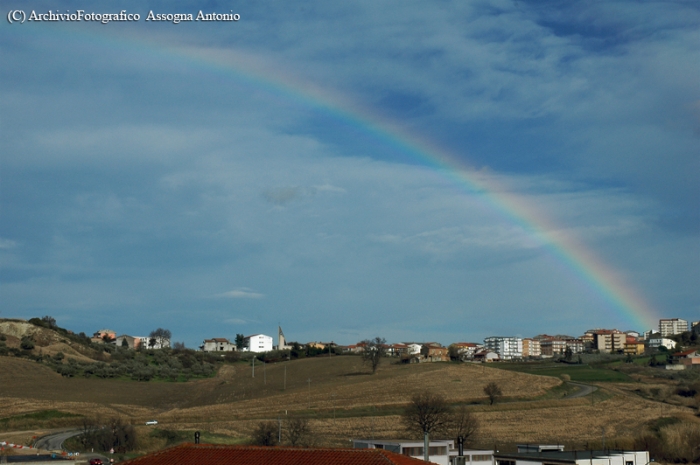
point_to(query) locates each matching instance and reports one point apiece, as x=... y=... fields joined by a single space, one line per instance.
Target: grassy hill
x=342 y=400
x=339 y=396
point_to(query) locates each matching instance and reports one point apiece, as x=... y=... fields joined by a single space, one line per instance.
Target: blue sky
x=187 y=176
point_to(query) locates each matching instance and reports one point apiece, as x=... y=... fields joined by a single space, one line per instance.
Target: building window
x=481 y=458
x=414 y=451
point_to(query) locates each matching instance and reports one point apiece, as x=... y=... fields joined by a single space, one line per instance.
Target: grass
x=51 y=418
x=343 y=400
x=581 y=373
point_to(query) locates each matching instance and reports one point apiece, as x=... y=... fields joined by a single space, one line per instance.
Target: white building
x=413 y=348
x=507 y=348
x=217 y=344
x=579 y=457
x=671 y=326
x=440 y=451
x=656 y=342
x=145 y=342
x=257 y=343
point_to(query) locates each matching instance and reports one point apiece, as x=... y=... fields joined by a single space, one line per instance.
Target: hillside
x=342 y=400
x=339 y=395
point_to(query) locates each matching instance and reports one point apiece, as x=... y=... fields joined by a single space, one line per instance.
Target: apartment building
x=551 y=347
x=672 y=326
x=609 y=340
x=257 y=343
x=507 y=348
x=531 y=348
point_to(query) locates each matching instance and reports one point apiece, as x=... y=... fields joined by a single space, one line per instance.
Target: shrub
x=265 y=434
x=27 y=343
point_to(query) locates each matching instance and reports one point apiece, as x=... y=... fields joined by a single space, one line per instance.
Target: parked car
x=95 y=461
x=152 y=422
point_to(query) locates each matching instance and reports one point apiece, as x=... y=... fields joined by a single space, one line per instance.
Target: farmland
x=342 y=400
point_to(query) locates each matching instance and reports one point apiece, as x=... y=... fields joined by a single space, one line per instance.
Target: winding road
x=584 y=390
x=54 y=441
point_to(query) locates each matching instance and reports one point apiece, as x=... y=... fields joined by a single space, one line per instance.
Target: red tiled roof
x=199 y=454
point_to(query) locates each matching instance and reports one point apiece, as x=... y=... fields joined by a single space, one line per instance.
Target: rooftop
x=196 y=454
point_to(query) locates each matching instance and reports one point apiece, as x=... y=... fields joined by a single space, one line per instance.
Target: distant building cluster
x=493 y=348
x=107 y=336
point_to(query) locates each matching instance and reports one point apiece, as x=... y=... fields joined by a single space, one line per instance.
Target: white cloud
x=241 y=293
x=7 y=243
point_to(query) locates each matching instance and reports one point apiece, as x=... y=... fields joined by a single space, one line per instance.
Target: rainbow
x=249 y=70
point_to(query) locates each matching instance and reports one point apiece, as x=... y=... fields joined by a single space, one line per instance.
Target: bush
x=115 y=434
x=265 y=434
x=27 y=343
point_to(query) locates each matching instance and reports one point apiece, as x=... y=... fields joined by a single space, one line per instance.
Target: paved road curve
x=54 y=441
x=584 y=390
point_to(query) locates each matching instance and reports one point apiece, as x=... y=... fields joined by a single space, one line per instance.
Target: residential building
x=131 y=341
x=413 y=348
x=634 y=348
x=198 y=454
x=689 y=358
x=672 y=326
x=656 y=342
x=257 y=343
x=396 y=350
x=531 y=348
x=436 y=354
x=551 y=347
x=609 y=340
x=104 y=335
x=316 y=345
x=577 y=346
x=507 y=348
x=579 y=457
x=486 y=356
x=217 y=344
x=467 y=350
x=153 y=343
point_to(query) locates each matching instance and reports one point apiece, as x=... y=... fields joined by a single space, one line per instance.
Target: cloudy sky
x=413 y=170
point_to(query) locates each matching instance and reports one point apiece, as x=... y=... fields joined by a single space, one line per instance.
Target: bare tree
x=427 y=413
x=493 y=392
x=298 y=431
x=463 y=425
x=374 y=350
x=265 y=434
x=161 y=337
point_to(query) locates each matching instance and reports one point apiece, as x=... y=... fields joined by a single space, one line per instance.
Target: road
x=54 y=441
x=584 y=390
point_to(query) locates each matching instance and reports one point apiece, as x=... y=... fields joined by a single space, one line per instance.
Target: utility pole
x=264 y=372
x=279 y=431
x=309 y=381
